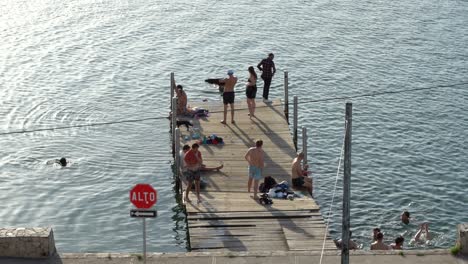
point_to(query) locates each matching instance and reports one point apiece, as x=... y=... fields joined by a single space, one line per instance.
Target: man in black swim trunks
x=228 y=95
x=297 y=176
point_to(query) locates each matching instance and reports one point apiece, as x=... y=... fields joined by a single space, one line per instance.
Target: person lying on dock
x=351 y=243
x=398 y=243
x=422 y=236
x=379 y=244
x=297 y=177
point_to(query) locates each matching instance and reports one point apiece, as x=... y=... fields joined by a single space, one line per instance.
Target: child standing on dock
x=193 y=162
x=255 y=158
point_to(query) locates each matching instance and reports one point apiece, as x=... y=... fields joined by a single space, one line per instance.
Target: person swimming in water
x=62 y=162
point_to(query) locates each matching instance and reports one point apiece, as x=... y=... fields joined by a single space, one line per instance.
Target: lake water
x=74 y=63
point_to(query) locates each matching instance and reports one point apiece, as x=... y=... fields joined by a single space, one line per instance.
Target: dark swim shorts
x=228 y=97
x=193 y=175
x=298 y=182
x=251 y=92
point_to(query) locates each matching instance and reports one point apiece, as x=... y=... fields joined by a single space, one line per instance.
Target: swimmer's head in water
x=405 y=217
x=63 y=162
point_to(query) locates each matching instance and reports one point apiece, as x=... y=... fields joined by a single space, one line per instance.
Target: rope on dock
x=282 y=104
x=334 y=193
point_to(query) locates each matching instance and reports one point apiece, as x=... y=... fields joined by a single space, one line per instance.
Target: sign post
x=143 y=196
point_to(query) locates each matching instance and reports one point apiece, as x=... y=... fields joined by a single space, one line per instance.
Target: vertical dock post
x=172 y=87
x=177 y=160
x=304 y=144
x=346 y=186
x=295 y=123
x=174 y=122
x=286 y=96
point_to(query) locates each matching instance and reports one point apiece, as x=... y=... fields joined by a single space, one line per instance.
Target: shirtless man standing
x=255 y=158
x=228 y=95
x=297 y=176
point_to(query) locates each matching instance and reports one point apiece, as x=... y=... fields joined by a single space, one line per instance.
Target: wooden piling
x=177 y=160
x=295 y=117
x=173 y=123
x=304 y=144
x=286 y=96
x=346 y=186
x=172 y=87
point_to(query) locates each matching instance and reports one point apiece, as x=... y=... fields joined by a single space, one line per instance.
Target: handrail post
x=286 y=96
x=172 y=87
x=346 y=186
x=177 y=159
x=295 y=122
x=304 y=144
x=174 y=122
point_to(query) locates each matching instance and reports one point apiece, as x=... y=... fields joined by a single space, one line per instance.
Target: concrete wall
x=463 y=238
x=27 y=242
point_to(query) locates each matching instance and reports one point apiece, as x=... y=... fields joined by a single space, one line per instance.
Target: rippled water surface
x=74 y=63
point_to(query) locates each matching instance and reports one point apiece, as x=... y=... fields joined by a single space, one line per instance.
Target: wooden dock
x=228 y=218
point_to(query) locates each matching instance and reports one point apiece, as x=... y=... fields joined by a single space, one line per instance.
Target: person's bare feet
x=199 y=200
x=233 y=122
x=223 y=122
x=187 y=200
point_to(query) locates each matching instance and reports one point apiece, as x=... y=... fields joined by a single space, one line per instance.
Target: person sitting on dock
x=398 y=243
x=193 y=161
x=297 y=176
x=379 y=244
x=228 y=95
x=182 y=100
x=405 y=217
x=255 y=158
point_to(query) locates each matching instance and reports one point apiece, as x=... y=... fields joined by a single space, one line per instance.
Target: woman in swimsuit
x=251 y=91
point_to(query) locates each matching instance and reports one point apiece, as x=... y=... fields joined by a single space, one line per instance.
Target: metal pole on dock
x=286 y=96
x=304 y=144
x=177 y=159
x=346 y=186
x=172 y=86
x=295 y=123
x=174 y=122
x=144 y=240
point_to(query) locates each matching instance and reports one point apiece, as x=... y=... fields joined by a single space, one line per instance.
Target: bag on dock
x=268 y=183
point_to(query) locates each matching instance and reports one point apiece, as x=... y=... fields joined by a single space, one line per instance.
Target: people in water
x=351 y=244
x=405 y=217
x=62 y=162
x=398 y=244
x=379 y=244
x=422 y=236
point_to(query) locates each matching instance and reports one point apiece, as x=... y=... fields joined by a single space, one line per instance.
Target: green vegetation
x=455 y=249
x=401 y=253
x=138 y=256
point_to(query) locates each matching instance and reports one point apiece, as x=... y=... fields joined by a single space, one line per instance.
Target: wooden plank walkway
x=228 y=219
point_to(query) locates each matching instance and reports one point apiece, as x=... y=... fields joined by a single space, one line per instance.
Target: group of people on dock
x=268 y=69
x=422 y=236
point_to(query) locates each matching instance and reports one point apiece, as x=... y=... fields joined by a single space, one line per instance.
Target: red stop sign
x=143 y=196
